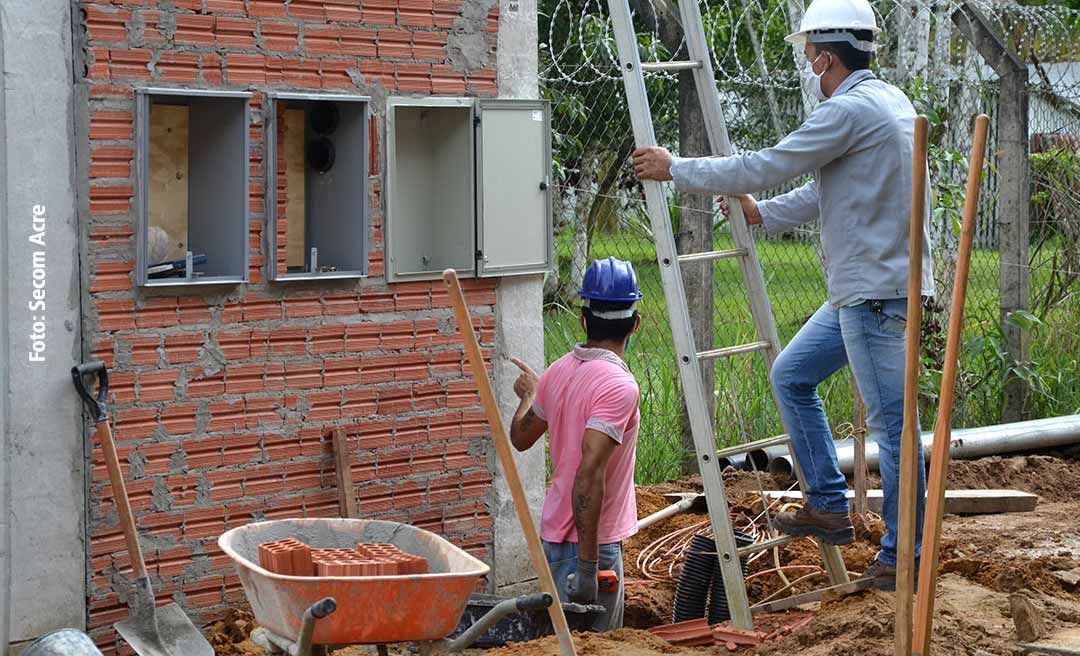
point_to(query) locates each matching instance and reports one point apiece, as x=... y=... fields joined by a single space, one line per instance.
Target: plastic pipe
x=966 y=444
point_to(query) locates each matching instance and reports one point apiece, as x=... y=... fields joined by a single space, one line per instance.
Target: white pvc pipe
x=966 y=444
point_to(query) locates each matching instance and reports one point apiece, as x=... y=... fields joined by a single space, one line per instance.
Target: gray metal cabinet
x=467 y=187
x=191 y=191
x=316 y=190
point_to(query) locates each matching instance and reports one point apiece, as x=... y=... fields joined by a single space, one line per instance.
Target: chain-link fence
x=600 y=208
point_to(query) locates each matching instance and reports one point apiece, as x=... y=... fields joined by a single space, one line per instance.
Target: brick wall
x=223 y=400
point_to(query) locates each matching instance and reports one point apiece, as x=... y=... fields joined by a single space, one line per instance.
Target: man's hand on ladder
x=653 y=163
x=749 y=208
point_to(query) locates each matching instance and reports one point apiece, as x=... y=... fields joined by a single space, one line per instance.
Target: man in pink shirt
x=587 y=401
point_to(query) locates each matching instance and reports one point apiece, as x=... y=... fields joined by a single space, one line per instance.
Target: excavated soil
x=624 y=642
x=985 y=558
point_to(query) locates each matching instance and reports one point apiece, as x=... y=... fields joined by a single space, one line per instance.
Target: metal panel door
x=514 y=226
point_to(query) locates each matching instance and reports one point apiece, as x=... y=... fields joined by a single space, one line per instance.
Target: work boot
x=885 y=576
x=829 y=527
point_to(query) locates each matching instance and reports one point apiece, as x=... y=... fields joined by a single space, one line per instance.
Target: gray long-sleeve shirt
x=859 y=146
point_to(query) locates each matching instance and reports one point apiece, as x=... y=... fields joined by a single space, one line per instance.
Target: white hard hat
x=828 y=21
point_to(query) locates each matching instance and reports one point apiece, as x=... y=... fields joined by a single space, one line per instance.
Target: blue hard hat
x=610 y=280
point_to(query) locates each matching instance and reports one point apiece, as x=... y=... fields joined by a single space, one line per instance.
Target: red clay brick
x=288 y=341
x=122 y=386
x=110 y=199
x=358 y=41
x=340 y=304
x=158 y=386
x=194 y=29
x=343 y=11
x=106 y=24
x=235 y=32
x=211 y=68
x=129 y=63
x=103 y=350
x=324 y=39
x=115 y=314
x=226 y=415
x=177 y=66
x=225 y=6
x=179 y=418
x=110 y=235
x=279 y=36
x=111 y=276
x=131 y=423
x=262 y=412
x=298 y=306
x=414 y=77
x=328 y=339
x=395 y=43
x=307 y=9
x=206 y=386
x=341 y=371
x=338 y=73
x=157 y=312
x=111 y=91
x=245 y=378
x=358 y=402
x=245 y=69
x=303 y=375
x=111 y=162
x=432 y=46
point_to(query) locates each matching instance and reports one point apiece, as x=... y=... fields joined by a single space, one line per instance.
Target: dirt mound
x=1053 y=479
x=648 y=604
x=624 y=642
x=1012 y=574
x=230 y=635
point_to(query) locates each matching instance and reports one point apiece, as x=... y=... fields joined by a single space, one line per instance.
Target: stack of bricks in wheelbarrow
x=292 y=557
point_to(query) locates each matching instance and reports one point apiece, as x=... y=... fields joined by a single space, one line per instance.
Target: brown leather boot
x=829 y=527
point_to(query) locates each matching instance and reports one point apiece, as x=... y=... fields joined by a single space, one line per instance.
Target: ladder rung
x=733 y=350
x=766 y=545
x=670 y=66
x=712 y=255
x=753 y=446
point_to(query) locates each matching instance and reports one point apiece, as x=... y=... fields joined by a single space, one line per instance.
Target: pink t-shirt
x=589 y=388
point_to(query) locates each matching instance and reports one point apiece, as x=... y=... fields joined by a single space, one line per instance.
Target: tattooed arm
x=526 y=427
x=596 y=450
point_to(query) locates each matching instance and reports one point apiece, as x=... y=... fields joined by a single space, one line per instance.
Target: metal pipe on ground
x=966 y=444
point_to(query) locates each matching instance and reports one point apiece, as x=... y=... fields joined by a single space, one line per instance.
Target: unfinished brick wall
x=224 y=397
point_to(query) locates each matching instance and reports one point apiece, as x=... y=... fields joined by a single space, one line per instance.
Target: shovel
x=150 y=631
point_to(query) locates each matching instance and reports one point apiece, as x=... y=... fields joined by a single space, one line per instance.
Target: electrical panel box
x=317 y=174
x=467 y=187
x=192 y=186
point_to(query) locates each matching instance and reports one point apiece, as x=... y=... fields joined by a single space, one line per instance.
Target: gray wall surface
x=519 y=323
x=43 y=444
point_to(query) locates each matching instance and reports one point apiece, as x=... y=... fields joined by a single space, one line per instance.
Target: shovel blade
x=174 y=634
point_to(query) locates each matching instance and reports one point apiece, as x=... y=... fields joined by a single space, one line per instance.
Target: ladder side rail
x=716 y=128
x=753 y=277
x=682 y=335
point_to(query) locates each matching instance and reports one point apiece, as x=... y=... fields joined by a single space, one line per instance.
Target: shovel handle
x=96 y=405
x=112 y=461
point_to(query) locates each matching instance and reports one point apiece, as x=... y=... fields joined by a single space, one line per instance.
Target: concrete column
x=519 y=321
x=43 y=465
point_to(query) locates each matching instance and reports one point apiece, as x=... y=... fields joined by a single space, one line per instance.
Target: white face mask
x=812 y=81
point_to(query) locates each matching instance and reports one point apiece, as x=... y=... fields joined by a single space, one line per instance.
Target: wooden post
x=858 y=435
x=939 y=461
x=343 y=471
x=506 y=458
x=909 y=445
x=1014 y=191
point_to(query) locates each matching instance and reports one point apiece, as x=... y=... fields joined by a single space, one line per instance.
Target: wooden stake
x=859 y=437
x=506 y=458
x=346 y=491
x=939 y=459
x=909 y=444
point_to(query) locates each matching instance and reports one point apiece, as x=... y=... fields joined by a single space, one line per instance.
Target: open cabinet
x=467 y=187
x=192 y=186
x=317 y=174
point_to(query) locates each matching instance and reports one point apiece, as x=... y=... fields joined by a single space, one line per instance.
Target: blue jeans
x=870 y=337
x=562 y=558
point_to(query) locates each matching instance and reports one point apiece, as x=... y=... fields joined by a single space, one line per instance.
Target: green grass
x=796 y=284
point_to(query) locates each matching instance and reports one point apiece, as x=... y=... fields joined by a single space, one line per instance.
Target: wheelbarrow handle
x=95 y=405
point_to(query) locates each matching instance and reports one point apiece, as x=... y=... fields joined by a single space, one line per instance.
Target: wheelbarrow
x=303 y=615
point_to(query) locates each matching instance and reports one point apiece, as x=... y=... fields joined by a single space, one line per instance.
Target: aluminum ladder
x=689 y=358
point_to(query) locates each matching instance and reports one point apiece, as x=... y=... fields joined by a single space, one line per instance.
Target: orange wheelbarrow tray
x=346 y=610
